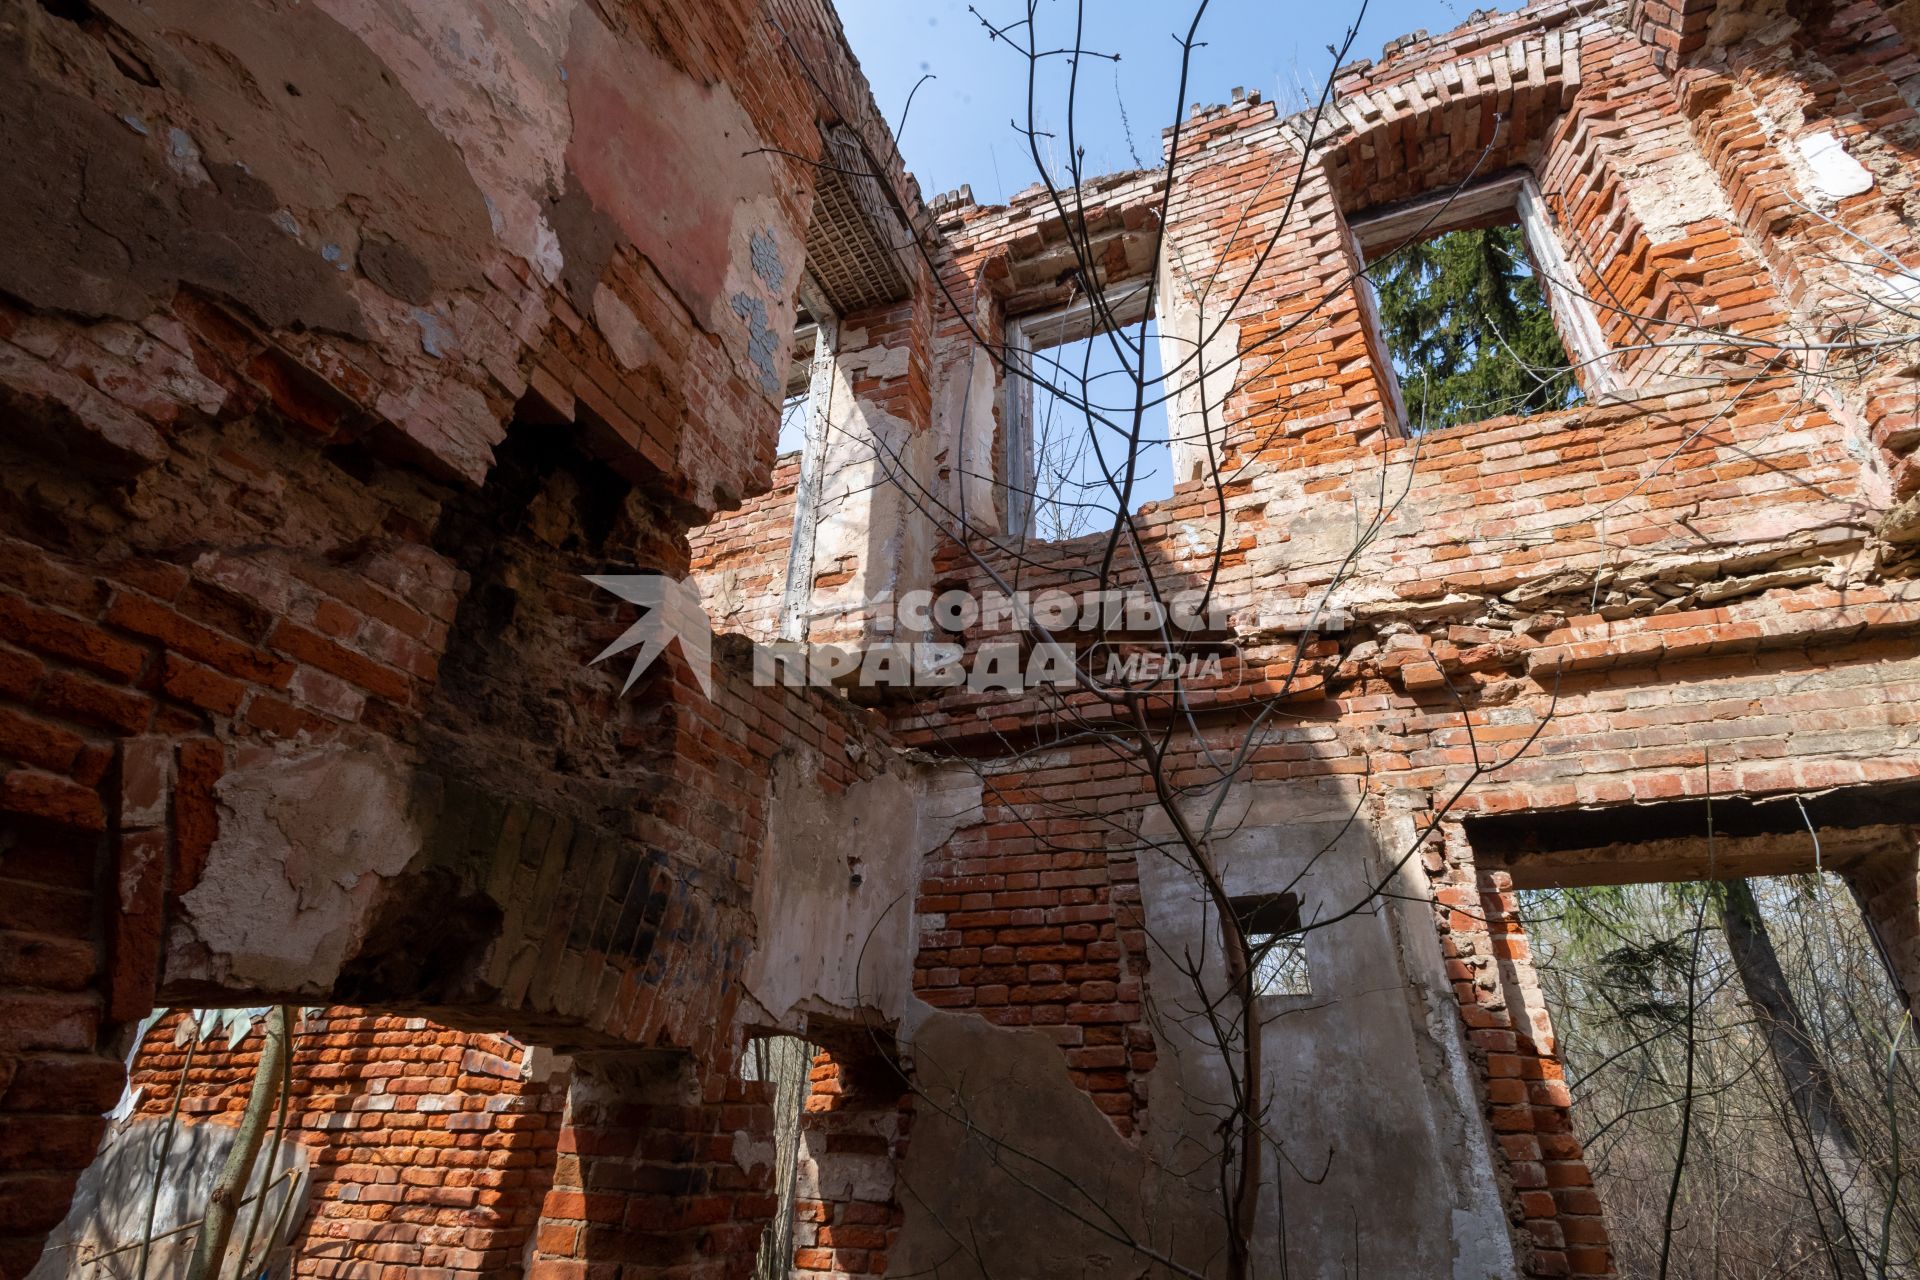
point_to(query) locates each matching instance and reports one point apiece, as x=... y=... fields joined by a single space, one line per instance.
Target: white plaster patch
x=1902 y=287
x=892 y=364
x=305 y=838
x=1202 y=363
x=183 y=157
x=1681 y=192
x=966 y=423
x=834 y=897
x=119 y=1201
x=1836 y=174
x=632 y=345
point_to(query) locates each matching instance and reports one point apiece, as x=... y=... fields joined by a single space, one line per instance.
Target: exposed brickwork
x=855 y=1126
x=1040 y=928
x=239 y=535
x=293 y=604
x=740 y=559
x=1484 y=945
x=431 y=1149
x=652 y=1175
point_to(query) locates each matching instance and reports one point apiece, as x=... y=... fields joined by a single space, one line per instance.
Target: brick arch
x=1471 y=117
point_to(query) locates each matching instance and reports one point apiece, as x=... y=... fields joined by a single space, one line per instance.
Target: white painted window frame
x=1017 y=416
x=1057 y=328
x=1573 y=314
x=796 y=598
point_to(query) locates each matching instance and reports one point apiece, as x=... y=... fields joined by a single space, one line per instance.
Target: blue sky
x=960 y=128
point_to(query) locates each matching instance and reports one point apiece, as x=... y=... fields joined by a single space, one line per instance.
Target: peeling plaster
x=866 y=524
x=110 y=1205
x=1684 y=190
x=1836 y=174
x=662 y=156
x=834 y=898
x=462 y=64
x=965 y=421
x=305 y=840
x=102 y=222
x=763 y=344
x=1347 y=1055
x=1200 y=388
x=632 y=345
x=347 y=140
x=981 y=1086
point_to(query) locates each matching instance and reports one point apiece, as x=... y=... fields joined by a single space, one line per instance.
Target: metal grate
x=855 y=244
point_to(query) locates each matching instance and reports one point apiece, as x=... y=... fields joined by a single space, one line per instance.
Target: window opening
x=1069 y=423
x=1475 y=310
x=793 y=409
x=1271 y=923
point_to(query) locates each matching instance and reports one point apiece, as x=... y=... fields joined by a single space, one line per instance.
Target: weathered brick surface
x=1484 y=947
x=338 y=519
x=740 y=559
x=656 y=1173
x=243 y=519
x=856 y=1119
x=430 y=1149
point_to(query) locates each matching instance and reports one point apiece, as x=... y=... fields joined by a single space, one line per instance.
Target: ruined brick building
x=340 y=340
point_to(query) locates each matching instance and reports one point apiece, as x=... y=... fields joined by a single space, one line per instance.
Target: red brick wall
x=224 y=541
x=1035 y=924
x=653 y=1174
x=1485 y=949
x=740 y=559
x=1454 y=644
x=430 y=1149
x=857 y=1114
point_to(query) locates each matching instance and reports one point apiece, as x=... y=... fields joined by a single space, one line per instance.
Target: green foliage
x=1654 y=975
x=1469 y=329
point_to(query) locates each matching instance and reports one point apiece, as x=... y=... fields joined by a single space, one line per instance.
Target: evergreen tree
x=1469 y=329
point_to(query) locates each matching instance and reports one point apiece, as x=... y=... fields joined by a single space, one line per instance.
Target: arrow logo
x=670 y=610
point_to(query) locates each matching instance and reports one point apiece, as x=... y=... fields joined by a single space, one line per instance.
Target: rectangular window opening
x=793 y=406
x=1070 y=422
x=1473 y=309
x=805 y=419
x=1271 y=923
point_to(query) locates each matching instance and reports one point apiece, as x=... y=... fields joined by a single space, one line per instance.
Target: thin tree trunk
x=267 y=1170
x=223 y=1204
x=160 y=1164
x=1808 y=1083
x=788 y=1060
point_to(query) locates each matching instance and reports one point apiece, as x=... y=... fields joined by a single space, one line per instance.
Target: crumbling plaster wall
x=419 y=311
x=1372 y=1138
x=1808 y=122
x=1200 y=354
x=341 y=340
x=834 y=899
x=739 y=559
x=874 y=527
x=277 y=528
